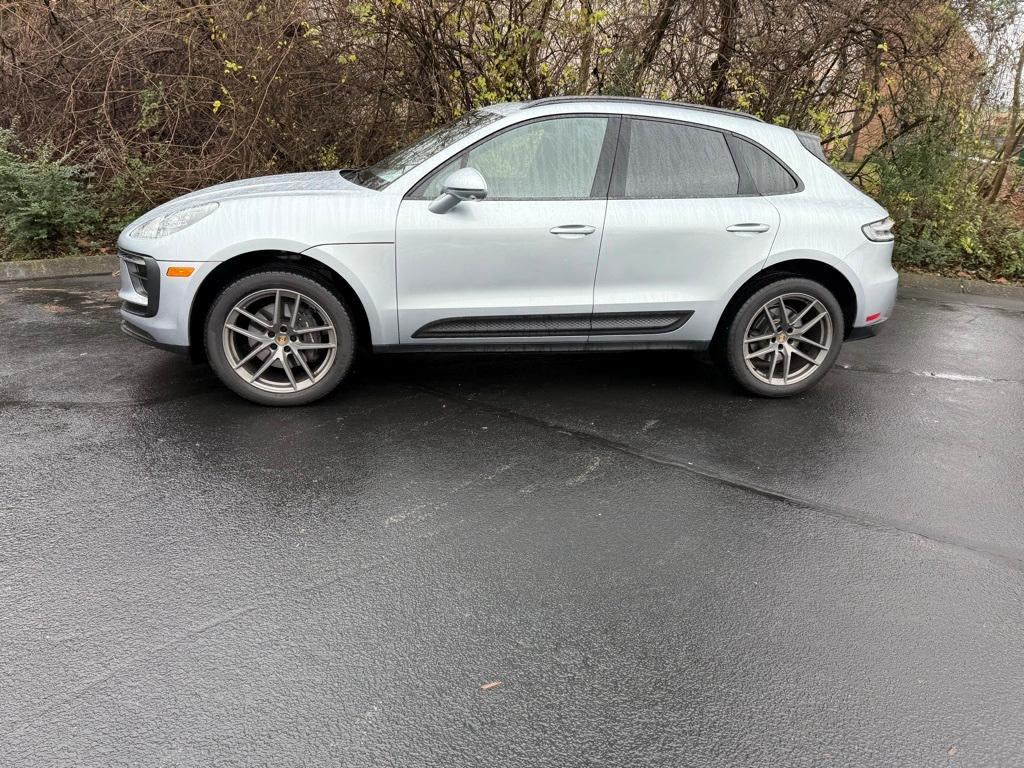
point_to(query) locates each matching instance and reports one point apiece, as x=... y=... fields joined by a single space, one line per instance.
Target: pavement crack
x=837 y=511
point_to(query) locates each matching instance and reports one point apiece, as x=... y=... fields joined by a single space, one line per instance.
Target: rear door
x=684 y=225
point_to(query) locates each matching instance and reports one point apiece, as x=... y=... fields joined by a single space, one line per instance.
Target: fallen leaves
x=490 y=686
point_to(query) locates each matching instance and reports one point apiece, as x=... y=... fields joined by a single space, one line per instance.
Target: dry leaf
x=490 y=685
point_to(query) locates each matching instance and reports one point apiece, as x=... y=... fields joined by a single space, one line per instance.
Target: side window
x=553 y=159
x=769 y=176
x=673 y=160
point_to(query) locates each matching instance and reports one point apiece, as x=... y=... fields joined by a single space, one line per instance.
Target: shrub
x=44 y=202
x=928 y=183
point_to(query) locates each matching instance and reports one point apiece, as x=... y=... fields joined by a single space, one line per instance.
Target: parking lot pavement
x=566 y=560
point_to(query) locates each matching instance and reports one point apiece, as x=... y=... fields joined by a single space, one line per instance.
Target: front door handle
x=748 y=228
x=573 y=231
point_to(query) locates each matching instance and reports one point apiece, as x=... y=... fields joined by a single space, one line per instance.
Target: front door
x=518 y=266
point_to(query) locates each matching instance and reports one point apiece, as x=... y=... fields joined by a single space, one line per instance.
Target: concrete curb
x=68 y=266
x=961 y=285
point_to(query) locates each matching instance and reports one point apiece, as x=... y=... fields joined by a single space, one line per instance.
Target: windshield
x=387 y=170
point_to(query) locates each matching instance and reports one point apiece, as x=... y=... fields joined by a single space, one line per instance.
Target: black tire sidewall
x=734 y=347
x=278 y=278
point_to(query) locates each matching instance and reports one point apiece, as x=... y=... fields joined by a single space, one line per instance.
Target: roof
x=635 y=100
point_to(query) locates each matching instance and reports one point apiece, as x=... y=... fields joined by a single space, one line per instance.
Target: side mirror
x=463 y=184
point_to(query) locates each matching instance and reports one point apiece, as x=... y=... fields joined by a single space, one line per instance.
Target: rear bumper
x=865 y=332
x=878 y=283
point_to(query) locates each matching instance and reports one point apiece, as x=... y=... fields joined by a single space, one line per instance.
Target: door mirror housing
x=463 y=184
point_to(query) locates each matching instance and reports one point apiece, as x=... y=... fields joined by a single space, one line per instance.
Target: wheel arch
x=815 y=269
x=255 y=261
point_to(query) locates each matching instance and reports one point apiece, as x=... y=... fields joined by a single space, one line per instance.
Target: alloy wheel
x=279 y=340
x=788 y=339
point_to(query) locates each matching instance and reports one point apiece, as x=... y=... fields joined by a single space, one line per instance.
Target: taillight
x=879 y=231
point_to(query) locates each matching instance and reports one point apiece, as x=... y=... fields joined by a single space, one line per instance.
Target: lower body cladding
x=553 y=325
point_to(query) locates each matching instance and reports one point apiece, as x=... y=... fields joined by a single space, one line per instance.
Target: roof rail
x=636 y=100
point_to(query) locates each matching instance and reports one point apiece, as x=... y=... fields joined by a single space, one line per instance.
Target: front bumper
x=140 y=335
x=154 y=307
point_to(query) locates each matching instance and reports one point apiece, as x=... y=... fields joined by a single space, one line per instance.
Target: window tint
x=549 y=159
x=769 y=176
x=668 y=160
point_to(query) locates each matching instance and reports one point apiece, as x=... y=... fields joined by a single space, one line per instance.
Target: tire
x=760 y=366
x=245 y=326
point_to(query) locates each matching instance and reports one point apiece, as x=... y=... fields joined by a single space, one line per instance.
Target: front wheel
x=279 y=338
x=784 y=338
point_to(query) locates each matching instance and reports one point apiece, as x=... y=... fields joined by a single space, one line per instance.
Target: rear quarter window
x=768 y=174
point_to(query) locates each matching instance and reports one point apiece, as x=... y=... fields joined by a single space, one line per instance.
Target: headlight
x=175 y=221
x=879 y=231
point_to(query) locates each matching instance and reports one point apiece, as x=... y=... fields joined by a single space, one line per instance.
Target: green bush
x=44 y=201
x=929 y=184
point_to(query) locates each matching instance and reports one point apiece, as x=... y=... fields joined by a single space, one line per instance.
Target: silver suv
x=562 y=224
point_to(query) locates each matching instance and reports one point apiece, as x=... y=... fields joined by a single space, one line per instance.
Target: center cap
x=281 y=339
x=782 y=337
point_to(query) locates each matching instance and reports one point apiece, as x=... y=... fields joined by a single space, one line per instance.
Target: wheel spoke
x=305 y=365
x=775 y=361
x=771 y=319
x=251 y=316
x=761 y=352
x=785 y=313
x=295 y=308
x=277 y=308
x=786 y=359
x=756 y=339
x=808 y=325
x=806 y=357
x=317 y=345
x=804 y=311
x=288 y=373
x=248 y=334
x=314 y=329
x=812 y=342
x=255 y=351
x=262 y=369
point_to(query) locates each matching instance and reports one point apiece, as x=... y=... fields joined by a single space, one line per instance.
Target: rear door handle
x=573 y=231
x=750 y=228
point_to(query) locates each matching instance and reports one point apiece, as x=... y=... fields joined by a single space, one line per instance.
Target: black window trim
x=746 y=187
x=602 y=175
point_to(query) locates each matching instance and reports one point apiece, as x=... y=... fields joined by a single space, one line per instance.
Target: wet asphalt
x=653 y=568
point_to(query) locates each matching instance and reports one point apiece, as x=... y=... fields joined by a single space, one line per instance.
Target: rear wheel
x=784 y=338
x=279 y=338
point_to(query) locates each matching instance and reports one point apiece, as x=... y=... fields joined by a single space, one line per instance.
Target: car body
x=601 y=223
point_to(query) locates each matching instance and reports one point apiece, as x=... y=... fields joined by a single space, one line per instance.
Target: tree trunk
x=533 y=75
x=587 y=49
x=654 y=35
x=1012 y=134
x=865 y=113
x=728 y=12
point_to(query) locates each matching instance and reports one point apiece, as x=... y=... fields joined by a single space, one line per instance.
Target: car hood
x=313 y=182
